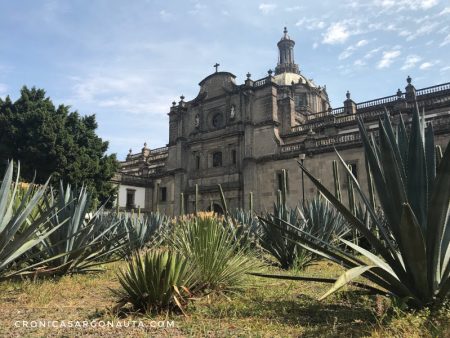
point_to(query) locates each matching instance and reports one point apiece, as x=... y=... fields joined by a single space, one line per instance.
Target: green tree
x=49 y=140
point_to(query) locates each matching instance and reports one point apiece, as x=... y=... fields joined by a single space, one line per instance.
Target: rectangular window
x=130 y=198
x=163 y=194
x=280 y=181
x=217 y=159
x=233 y=156
x=197 y=162
x=300 y=100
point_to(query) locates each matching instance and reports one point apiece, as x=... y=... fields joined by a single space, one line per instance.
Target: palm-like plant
x=412 y=249
x=22 y=227
x=155 y=281
x=219 y=262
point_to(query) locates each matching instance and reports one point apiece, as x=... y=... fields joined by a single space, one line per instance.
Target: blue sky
x=126 y=61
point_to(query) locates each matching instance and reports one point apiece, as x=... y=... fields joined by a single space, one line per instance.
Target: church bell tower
x=286 y=63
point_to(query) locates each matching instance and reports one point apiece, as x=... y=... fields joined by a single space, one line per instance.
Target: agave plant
x=412 y=250
x=276 y=238
x=156 y=281
x=145 y=230
x=82 y=243
x=247 y=226
x=22 y=227
x=219 y=262
x=323 y=220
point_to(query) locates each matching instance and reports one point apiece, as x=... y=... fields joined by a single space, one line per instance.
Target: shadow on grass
x=348 y=315
x=324 y=319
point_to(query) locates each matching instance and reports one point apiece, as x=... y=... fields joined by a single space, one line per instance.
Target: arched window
x=217 y=159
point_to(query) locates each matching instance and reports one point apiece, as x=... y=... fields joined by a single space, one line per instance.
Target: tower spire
x=286 y=63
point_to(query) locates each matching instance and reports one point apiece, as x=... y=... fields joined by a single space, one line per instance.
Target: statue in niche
x=197 y=121
x=232 y=112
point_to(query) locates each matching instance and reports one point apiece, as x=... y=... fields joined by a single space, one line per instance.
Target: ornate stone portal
x=243 y=135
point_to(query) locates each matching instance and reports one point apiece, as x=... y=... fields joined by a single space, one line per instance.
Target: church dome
x=286 y=79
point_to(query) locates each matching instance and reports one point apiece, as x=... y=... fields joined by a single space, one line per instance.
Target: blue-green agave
x=23 y=225
x=410 y=256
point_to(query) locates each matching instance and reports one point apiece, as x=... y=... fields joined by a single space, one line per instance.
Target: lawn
x=267 y=308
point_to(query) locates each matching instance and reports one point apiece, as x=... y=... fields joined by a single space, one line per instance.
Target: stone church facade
x=243 y=136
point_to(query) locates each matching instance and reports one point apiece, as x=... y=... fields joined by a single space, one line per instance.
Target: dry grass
x=270 y=308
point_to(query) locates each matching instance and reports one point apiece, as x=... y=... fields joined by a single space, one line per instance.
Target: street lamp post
x=302 y=160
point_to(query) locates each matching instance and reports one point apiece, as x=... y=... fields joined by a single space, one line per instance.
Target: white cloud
x=425 y=4
x=311 y=23
x=362 y=43
x=446 y=41
x=3 y=89
x=404 y=33
x=359 y=63
x=399 y=5
x=317 y=25
x=388 y=58
x=165 y=16
x=371 y=53
x=346 y=54
x=445 y=69
x=351 y=49
x=426 y=28
x=336 y=33
x=445 y=11
x=411 y=61
x=315 y=45
x=294 y=8
x=120 y=92
x=444 y=30
x=266 y=8
x=426 y=65
x=87 y=89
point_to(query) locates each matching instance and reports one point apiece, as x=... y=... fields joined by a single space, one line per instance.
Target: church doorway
x=217 y=208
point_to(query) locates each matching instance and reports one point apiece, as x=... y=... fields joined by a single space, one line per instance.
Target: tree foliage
x=49 y=140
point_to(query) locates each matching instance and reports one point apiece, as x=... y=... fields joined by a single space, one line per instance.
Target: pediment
x=217 y=84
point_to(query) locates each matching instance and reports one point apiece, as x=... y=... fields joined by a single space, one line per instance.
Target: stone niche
x=217 y=84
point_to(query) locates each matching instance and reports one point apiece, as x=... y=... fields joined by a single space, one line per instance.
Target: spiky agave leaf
x=219 y=262
x=276 y=239
x=83 y=242
x=154 y=281
x=413 y=249
x=145 y=230
x=323 y=221
x=22 y=227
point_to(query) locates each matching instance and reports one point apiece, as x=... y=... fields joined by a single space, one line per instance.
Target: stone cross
x=216 y=66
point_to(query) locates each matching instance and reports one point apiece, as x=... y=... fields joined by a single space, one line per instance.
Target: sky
x=126 y=61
